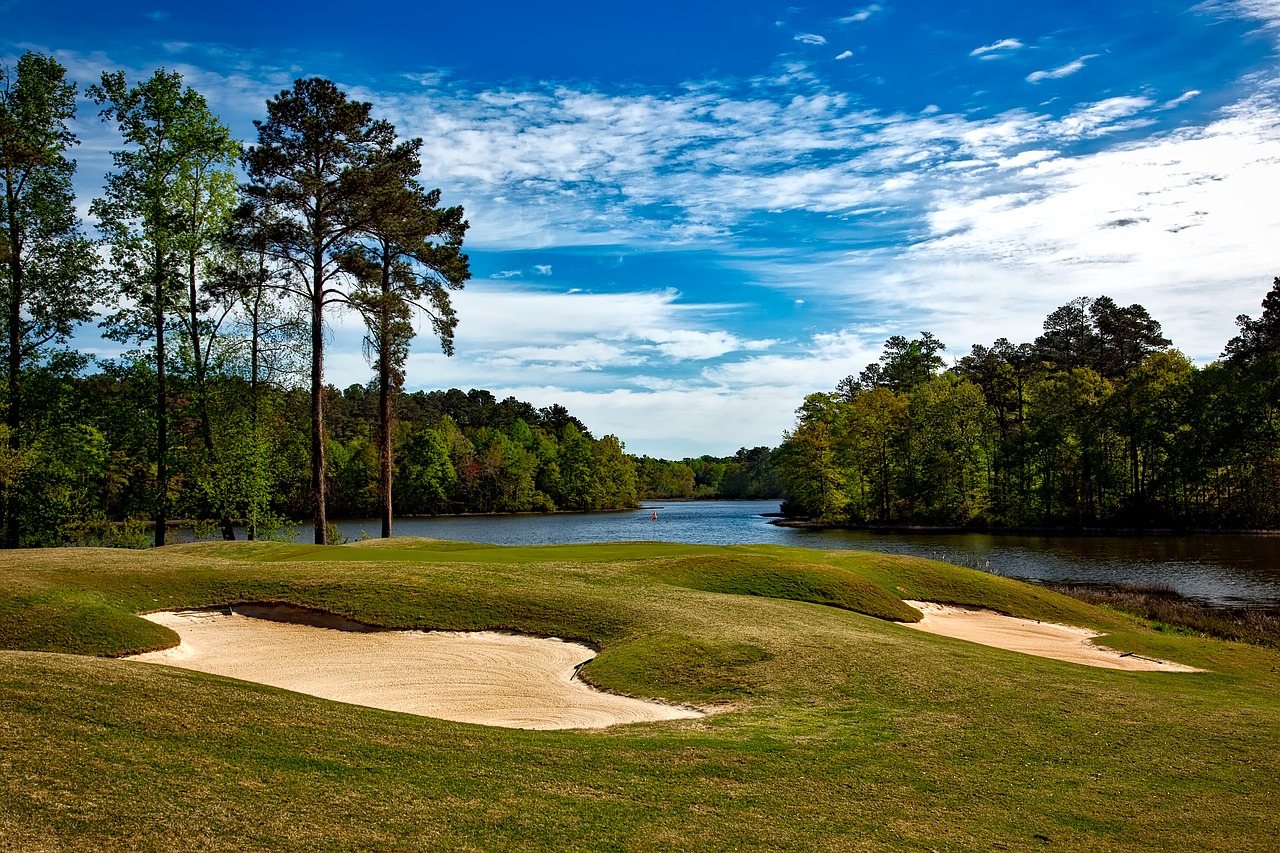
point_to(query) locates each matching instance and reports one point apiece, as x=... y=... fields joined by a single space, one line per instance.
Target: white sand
x=1044 y=639
x=489 y=678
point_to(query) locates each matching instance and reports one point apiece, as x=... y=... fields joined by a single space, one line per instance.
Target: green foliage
x=47 y=267
x=1097 y=424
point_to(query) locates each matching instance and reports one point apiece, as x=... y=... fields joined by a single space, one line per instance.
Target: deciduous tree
x=170 y=135
x=46 y=264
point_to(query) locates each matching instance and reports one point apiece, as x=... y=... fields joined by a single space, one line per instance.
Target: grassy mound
x=748 y=574
x=839 y=729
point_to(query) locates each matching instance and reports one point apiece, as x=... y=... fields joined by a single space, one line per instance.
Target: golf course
x=811 y=715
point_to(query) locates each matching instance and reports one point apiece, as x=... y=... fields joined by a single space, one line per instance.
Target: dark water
x=1224 y=570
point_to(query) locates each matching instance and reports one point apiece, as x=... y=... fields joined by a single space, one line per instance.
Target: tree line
x=219 y=265
x=1098 y=423
x=747 y=475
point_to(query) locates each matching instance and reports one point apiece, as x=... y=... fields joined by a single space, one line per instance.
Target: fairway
x=834 y=728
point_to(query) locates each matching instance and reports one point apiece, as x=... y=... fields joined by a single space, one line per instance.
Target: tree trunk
x=252 y=532
x=317 y=403
x=384 y=399
x=14 y=416
x=162 y=414
x=202 y=391
x=384 y=435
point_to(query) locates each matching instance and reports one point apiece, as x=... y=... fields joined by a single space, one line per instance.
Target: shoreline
x=1074 y=532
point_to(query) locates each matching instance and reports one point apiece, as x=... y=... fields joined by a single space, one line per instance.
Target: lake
x=1227 y=570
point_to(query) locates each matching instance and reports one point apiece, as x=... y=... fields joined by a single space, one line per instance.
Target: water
x=1224 y=570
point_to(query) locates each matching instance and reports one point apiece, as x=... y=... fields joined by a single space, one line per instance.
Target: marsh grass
x=1169 y=610
x=838 y=729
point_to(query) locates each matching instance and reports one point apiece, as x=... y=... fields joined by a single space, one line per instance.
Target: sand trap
x=490 y=678
x=1043 y=639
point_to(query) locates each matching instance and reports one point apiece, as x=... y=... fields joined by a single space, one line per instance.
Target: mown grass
x=839 y=730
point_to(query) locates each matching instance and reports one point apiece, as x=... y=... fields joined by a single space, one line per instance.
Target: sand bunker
x=1043 y=639
x=495 y=679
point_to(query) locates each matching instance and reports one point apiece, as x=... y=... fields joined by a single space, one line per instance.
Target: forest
x=1098 y=423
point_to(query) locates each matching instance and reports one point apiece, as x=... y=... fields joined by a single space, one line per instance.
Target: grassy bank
x=839 y=729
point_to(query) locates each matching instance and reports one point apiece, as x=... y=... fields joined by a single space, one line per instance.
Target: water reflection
x=1226 y=570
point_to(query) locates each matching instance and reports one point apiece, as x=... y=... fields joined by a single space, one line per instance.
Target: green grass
x=839 y=729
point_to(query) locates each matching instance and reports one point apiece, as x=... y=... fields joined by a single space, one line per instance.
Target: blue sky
x=686 y=216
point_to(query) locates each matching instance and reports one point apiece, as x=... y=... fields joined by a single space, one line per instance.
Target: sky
x=684 y=217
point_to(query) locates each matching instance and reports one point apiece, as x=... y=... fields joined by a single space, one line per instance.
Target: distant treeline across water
x=1098 y=423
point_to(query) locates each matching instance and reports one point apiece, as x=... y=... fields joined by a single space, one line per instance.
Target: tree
x=169 y=132
x=205 y=195
x=1068 y=338
x=903 y=365
x=815 y=482
x=47 y=270
x=411 y=258
x=1125 y=337
x=1258 y=338
x=308 y=178
x=1100 y=335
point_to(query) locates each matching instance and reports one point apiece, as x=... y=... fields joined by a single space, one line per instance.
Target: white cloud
x=997 y=48
x=1102 y=117
x=1175 y=224
x=498 y=316
x=1026 y=158
x=861 y=15
x=1181 y=99
x=542 y=269
x=845 y=55
x=682 y=344
x=588 y=354
x=810 y=38
x=1266 y=11
x=1061 y=71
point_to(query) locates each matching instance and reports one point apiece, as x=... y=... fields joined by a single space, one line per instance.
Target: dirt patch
x=495 y=679
x=1043 y=639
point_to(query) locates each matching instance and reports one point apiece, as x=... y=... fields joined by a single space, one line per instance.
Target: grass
x=839 y=730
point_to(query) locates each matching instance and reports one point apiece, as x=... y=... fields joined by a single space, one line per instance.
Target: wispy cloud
x=861 y=15
x=542 y=269
x=157 y=15
x=1061 y=71
x=1181 y=99
x=810 y=38
x=845 y=55
x=1265 y=11
x=1002 y=47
